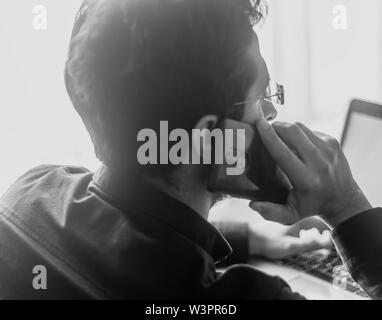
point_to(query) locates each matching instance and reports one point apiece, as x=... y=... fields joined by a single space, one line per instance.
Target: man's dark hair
x=133 y=63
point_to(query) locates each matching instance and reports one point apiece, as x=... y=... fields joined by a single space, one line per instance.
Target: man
x=131 y=231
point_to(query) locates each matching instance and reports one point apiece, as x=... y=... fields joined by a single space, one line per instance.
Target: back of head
x=133 y=63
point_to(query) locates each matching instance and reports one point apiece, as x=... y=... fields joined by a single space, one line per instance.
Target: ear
x=200 y=142
x=207 y=122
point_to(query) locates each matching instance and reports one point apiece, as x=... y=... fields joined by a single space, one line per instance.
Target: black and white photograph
x=191 y=155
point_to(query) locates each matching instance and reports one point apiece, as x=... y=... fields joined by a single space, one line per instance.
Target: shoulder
x=40 y=174
x=48 y=169
x=42 y=183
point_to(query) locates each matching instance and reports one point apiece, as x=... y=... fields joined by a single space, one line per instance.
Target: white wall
x=323 y=68
x=37 y=122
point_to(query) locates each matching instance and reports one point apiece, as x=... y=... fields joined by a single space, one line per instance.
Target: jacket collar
x=139 y=195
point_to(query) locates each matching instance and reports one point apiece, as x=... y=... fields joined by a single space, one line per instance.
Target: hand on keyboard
x=273 y=240
x=327 y=265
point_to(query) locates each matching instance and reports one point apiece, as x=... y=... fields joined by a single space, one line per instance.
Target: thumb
x=274 y=212
x=293 y=246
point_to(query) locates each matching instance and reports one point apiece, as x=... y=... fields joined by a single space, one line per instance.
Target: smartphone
x=262 y=180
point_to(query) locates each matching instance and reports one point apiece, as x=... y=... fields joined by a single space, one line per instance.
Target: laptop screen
x=363 y=148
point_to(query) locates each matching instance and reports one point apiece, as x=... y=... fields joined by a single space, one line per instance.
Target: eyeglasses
x=274 y=93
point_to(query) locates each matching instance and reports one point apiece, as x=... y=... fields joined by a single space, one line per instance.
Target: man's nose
x=269 y=110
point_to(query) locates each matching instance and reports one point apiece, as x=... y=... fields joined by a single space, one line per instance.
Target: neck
x=185 y=185
x=187 y=191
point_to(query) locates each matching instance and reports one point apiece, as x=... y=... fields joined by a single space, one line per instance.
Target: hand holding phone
x=262 y=179
x=322 y=182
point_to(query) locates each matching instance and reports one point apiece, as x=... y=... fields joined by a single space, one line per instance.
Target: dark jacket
x=99 y=241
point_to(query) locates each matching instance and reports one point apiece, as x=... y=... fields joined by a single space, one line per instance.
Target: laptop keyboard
x=327 y=265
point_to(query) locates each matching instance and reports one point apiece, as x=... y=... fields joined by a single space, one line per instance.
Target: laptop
x=321 y=275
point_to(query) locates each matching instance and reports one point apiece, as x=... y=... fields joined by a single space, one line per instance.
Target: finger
x=306 y=224
x=296 y=139
x=282 y=178
x=284 y=157
x=297 y=246
x=319 y=139
x=310 y=235
x=313 y=136
x=326 y=239
x=274 y=212
x=323 y=241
